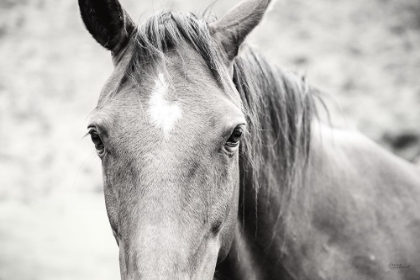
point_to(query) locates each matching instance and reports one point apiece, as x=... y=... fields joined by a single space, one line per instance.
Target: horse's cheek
x=110 y=188
x=231 y=214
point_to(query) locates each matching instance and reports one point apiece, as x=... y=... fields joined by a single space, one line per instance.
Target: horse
x=216 y=164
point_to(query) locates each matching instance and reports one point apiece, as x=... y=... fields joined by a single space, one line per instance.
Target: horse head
x=168 y=129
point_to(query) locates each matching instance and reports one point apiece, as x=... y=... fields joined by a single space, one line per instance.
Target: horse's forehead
x=182 y=95
x=163 y=113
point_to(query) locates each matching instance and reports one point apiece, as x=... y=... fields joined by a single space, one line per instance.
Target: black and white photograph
x=209 y=140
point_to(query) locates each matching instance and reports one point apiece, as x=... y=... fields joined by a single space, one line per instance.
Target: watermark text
x=399 y=266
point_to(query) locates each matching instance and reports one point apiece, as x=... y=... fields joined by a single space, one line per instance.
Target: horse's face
x=170 y=149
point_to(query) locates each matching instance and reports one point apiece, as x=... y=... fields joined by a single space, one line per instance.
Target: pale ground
x=53 y=224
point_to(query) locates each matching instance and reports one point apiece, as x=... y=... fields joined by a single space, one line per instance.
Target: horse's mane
x=279 y=105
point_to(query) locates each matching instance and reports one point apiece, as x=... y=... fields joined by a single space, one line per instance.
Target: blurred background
x=364 y=54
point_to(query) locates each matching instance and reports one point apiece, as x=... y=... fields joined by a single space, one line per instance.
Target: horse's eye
x=97 y=141
x=234 y=139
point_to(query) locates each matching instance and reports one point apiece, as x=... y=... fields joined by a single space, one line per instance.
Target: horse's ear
x=232 y=29
x=107 y=21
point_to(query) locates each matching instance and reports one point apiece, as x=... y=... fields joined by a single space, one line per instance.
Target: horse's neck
x=279 y=238
x=319 y=223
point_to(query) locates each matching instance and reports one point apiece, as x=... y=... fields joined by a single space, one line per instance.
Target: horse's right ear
x=108 y=23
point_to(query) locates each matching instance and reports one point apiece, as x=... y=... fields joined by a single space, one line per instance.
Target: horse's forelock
x=167 y=32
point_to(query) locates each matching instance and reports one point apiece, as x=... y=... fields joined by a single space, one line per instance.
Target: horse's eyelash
x=84 y=136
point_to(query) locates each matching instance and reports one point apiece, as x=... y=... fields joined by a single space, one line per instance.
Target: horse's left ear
x=232 y=29
x=107 y=21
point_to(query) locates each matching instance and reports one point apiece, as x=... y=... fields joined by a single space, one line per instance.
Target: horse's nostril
x=217 y=225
